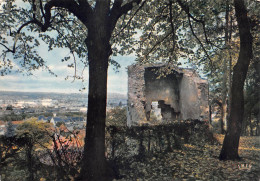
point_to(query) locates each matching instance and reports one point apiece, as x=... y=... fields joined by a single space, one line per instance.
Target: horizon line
x=20 y=91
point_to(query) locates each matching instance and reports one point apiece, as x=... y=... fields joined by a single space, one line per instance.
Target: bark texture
x=231 y=141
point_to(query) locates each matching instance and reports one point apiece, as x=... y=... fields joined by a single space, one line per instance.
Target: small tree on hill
x=10 y=130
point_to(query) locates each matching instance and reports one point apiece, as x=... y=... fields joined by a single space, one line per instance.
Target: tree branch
x=115 y=11
x=128 y=6
x=129 y=21
x=156 y=44
x=201 y=44
x=172 y=26
x=187 y=10
x=83 y=11
x=41 y=7
x=102 y=7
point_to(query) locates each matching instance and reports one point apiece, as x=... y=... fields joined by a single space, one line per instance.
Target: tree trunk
x=229 y=69
x=222 y=114
x=244 y=126
x=250 y=125
x=30 y=162
x=224 y=79
x=257 y=126
x=231 y=140
x=210 y=106
x=229 y=87
x=94 y=164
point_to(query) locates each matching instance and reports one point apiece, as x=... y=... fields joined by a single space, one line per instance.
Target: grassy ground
x=197 y=162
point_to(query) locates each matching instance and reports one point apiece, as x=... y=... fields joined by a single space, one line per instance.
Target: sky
x=43 y=81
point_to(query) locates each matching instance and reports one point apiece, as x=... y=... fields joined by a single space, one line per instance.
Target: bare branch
x=8 y=49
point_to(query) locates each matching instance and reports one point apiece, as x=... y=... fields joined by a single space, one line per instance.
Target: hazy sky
x=42 y=81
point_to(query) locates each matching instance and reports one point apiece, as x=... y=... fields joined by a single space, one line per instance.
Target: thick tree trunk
x=94 y=164
x=229 y=87
x=229 y=67
x=231 y=140
x=30 y=162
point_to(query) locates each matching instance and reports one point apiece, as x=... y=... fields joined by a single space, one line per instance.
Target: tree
x=205 y=28
x=231 y=141
x=9 y=108
x=95 y=21
x=252 y=85
x=21 y=153
x=58 y=124
x=116 y=116
x=36 y=136
x=252 y=99
x=10 y=130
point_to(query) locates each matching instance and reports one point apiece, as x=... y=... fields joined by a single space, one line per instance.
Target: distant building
x=46 y=102
x=71 y=122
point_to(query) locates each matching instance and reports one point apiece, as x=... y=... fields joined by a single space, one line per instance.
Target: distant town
x=36 y=102
x=57 y=108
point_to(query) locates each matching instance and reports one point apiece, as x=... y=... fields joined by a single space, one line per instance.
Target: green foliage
x=58 y=124
x=72 y=114
x=37 y=132
x=116 y=116
x=13 y=117
x=168 y=34
x=21 y=153
x=252 y=100
x=20 y=40
x=22 y=35
x=10 y=130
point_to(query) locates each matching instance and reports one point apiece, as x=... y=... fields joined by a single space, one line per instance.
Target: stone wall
x=179 y=93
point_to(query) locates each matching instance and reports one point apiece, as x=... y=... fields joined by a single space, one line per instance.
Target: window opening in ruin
x=167 y=112
x=155 y=114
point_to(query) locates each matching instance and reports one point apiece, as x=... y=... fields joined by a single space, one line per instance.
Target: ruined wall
x=180 y=94
x=136 y=98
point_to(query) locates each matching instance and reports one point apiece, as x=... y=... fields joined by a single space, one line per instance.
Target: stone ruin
x=159 y=93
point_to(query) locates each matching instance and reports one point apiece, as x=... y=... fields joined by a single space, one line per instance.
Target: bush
x=116 y=117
